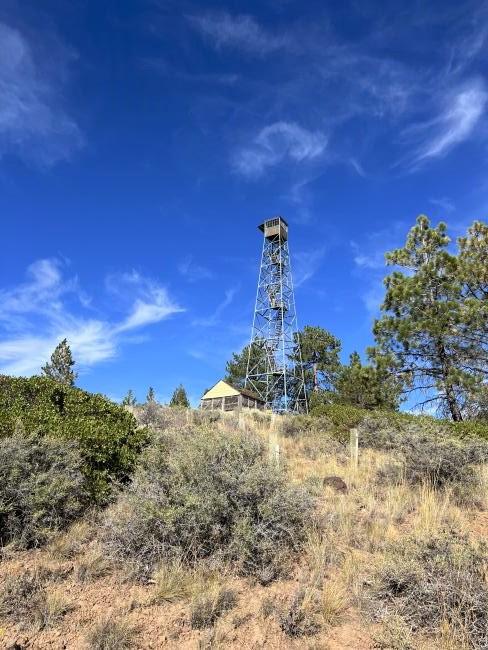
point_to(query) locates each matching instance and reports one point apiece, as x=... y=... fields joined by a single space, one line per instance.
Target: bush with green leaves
x=425 y=451
x=341 y=418
x=429 y=583
x=470 y=429
x=201 y=493
x=293 y=426
x=107 y=435
x=158 y=417
x=42 y=488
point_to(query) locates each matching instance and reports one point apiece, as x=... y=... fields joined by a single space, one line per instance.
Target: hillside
x=214 y=545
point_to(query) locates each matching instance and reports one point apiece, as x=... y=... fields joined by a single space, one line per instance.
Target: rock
x=336 y=483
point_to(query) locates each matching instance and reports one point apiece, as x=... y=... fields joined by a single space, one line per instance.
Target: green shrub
x=341 y=418
x=292 y=426
x=439 y=463
x=201 y=493
x=426 y=450
x=429 y=583
x=42 y=488
x=206 y=418
x=107 y=434
x=470 y=429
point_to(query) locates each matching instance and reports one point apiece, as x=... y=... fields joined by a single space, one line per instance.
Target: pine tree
x=434 y=321
x=61 y=365
x=236 y=367
x=151 y=396
x=473 y=268
x=371 y=386
x=180 y=398
x=319 y=356
x=129 y=399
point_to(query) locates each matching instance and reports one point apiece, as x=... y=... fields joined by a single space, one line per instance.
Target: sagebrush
x=42 y=488
x=430 y=582
x=200 y=493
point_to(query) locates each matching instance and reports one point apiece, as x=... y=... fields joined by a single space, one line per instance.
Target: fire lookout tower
x=274 y=366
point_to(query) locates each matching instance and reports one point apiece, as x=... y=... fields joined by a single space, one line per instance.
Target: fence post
x=354 y=447
x=274 y=449
x=241 y=423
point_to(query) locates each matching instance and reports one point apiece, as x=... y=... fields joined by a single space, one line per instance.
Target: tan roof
x=225 y=389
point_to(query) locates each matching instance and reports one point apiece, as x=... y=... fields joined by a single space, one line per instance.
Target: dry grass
x=72 y=542
x=334 y=602
x=357 y=531
x=93 y=564
x=111 y=634
x=26 y=601
x=175 y=580
x=300 y=616
x=435 y=511
x=358 y=550
x=482 y=475
x=394 y=634
x=207 y=607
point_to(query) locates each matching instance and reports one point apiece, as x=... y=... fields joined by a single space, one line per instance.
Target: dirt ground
x=165 y=625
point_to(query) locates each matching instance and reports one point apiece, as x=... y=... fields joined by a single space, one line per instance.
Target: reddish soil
x=165 y=625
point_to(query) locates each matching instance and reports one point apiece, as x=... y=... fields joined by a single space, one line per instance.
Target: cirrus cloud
x=238 y=32
x=37 y=314
x=33 y=122
x=276 y=143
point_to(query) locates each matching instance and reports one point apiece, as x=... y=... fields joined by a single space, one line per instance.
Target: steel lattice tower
x=274 y=368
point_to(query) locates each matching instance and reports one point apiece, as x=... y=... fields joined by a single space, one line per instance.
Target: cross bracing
x=272 y=369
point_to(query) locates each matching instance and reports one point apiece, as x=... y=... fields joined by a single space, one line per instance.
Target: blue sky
x=141 y=143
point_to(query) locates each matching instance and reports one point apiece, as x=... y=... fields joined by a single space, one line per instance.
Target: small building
x=225 y=397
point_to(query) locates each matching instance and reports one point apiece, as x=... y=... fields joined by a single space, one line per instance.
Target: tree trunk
x=453 y=404
x=452 y=401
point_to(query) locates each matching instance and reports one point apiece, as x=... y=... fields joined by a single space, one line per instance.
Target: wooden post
x=274 y=450
x=354 y=447
x=223 y=403
x=277 y=452
x=241 y=422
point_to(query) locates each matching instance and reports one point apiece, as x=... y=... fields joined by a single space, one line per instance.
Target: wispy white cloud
x=306 y=264
x=214 y=319
x=301 y=197
x=156 y=308
x=374 y=259
x=462 y=110
x=444 y=203
x=369 y=253
x=374 y=295
x=37 y=314
x=278 y=142
x=240 y=32
x=192 y=271
x=358 y=168
x=150 y=301
x=369 y=259
x=33 y=123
